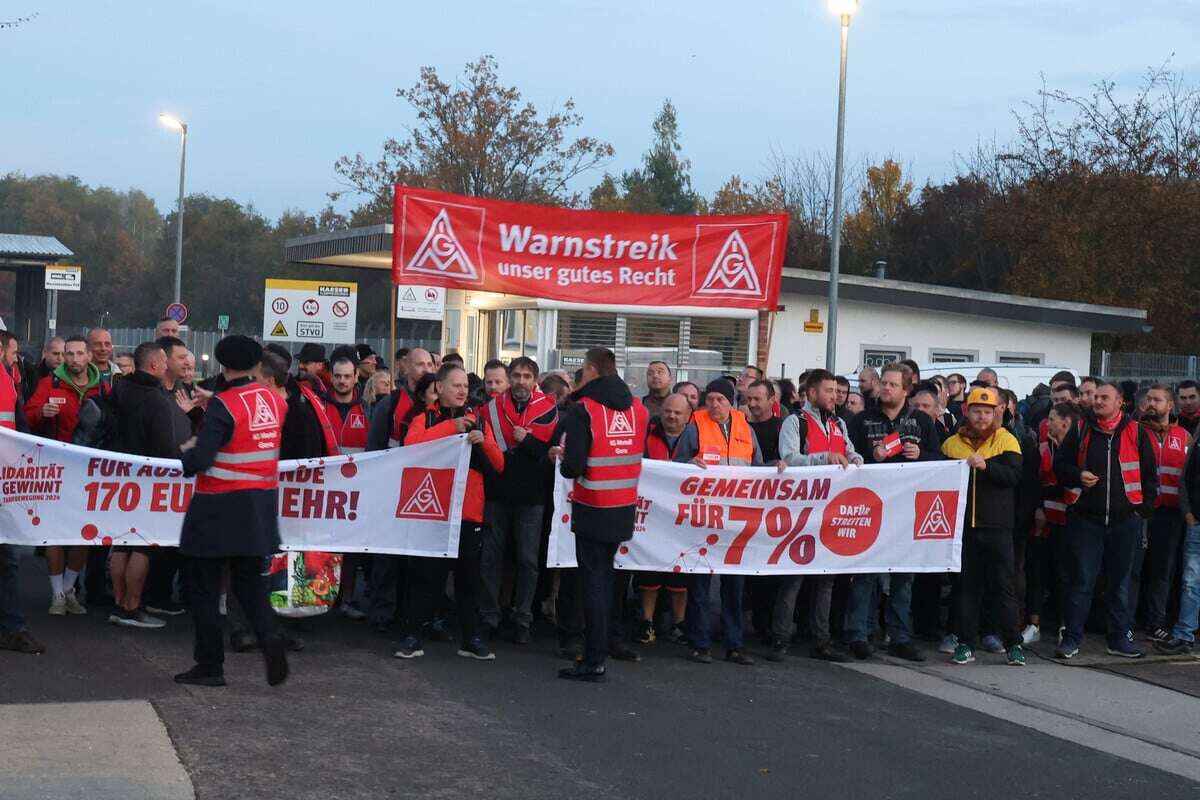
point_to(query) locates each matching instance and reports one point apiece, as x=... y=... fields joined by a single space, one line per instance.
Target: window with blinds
x=650 y=339
x=579 y=330
x=717 y=347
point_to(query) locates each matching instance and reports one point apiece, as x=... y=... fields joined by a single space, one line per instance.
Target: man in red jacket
x=53 y=412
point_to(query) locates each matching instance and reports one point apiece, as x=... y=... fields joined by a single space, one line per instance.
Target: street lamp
x=844 y=9
x=171 y=121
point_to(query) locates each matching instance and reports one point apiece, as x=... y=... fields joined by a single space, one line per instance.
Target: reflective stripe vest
x=250 y=459
x=404 y=404
x=1054 y=507
x=822 y=437
x=351 y=432
x=1171 y=455
x=1129 y=457
x=8 y=401
x=614 y=463
x=737 y=450
x=318 y=407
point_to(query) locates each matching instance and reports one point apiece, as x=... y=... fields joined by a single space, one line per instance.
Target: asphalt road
x=355 y=722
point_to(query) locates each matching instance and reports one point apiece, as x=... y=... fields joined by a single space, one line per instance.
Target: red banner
x=587 y=256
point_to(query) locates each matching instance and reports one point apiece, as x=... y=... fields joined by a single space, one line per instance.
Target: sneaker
x=348 y=611
x=823 y=652
x=963 y=654
x=522 y=635
x=738 y=657
x=1067 y=650
x=21 y=642
x=58 y=605
x=198 y=677
x=778 y=652
x=949 y=644
x=860 y=650
x=167 y=609
x=137 y=618
x=72 y=603
x=700 y=656
x=906 y=651
x=1031 y=635
x=992 y=644
x=1159 y=635
x=1124 y=648
x=477 y=650
x=676 y=634
x=409 y=648
x=645 y=632
x=623 y=652
x=1015 y=656
x=582 y=672
x=1174 y=647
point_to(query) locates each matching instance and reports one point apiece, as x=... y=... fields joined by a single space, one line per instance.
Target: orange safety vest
x=8 y=401
x=351 y=432
x=250 y=459
x=614 y=463
x=1171 y=455
x=737 y=450
x=822 y=437
x=1130 y=460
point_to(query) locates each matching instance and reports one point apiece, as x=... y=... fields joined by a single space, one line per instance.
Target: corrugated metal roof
x=16 y=244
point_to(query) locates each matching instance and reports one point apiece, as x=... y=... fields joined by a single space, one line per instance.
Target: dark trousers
x=699 y=625
x=247 y=583
x=987 y=574
x=596 y=597
x=11 y=620
x=1165 y=536
x=386 y=573
x=427 y=579
x=763 y=589
x=1046 y=574
x=1092 y=547
x=160 y=582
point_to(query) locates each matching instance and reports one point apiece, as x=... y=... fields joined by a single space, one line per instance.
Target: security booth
x=551 y=283
x=23 y=262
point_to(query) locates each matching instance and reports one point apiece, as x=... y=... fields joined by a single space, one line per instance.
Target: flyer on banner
x=315 y=311
x=808 y=520
x=403 y=501
x=473 y=243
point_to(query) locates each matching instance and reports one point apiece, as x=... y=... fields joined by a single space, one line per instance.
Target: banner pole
x=391 y=356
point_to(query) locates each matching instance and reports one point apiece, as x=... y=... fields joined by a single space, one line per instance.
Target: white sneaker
x=949 y=644
x=1031 y=634
x=58 y=605
x=73 y=604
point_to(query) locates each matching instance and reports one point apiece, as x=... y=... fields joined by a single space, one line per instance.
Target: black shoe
x=623 y=652
x=198 y=677
x=738 y=657
x=582 y=672
x=293 y=644
x=242 y=641
x=1174 y=647
x=823 y=652
x=700 y=656
x=906 y=651
x=645 y=632
x=523 y=635
x=22 y=642
x=1159 y=635
x=779 y=651
x=167 y=609
x=860 y=650
x=676 y=634
x=437 y=631
x=275 y=654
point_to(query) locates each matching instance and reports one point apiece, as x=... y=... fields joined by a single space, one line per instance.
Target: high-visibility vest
x=1129 y=457
x=614 y=462
x=9 y=399
x=318 y=407
x=404 y=404
x=737 y=450
x=656 y=445
x=1171 y=455
x=823 y=437
x=1054 y=507
x=351 y=432
x=250 y=459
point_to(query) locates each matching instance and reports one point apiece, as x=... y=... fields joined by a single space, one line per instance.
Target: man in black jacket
x=1112 y=466
x=600 y=528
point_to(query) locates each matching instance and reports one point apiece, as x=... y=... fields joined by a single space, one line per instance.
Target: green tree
x=662 y=185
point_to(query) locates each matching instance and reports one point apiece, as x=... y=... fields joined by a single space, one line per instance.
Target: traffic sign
x=223 y=322
x=420 y=302
x=64 y=277
x=177 y=312
x=279 y=305
x=341 y=308
x=315 y=311
x=310 y=307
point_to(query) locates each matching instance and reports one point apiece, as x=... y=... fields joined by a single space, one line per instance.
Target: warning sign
x=420 y=302
x=315 y=311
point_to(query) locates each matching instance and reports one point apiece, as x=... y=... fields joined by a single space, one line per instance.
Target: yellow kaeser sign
x=64 y=277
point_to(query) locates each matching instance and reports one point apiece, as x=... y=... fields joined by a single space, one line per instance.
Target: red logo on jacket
x=425 y=493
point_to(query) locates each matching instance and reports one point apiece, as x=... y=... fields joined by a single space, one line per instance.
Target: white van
x=1021 y=378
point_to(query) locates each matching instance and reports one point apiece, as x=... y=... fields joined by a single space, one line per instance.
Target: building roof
x=16 y=245
x=948 y=299
x=357 y=247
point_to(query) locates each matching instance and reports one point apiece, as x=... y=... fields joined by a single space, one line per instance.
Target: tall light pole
x=844 y=9
x=176 y=123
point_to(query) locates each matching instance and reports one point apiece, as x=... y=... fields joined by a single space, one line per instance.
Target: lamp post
x=844 y=9
x=174 y=122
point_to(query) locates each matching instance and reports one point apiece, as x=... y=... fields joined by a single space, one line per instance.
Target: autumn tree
x=869 y=230
x=476 y=137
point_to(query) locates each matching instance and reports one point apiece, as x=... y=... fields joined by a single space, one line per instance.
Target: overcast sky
x=274 y=91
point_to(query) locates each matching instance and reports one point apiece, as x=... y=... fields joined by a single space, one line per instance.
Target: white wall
x=918 y=331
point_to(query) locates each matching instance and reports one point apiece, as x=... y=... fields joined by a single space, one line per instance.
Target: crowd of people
x=1080 y=512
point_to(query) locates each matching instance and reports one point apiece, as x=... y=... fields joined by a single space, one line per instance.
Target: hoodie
x=597 y=524
x=59 y=390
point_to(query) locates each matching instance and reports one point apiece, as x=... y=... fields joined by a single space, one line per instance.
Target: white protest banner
x=314 y=311
x=809 y=520
x=406 y=501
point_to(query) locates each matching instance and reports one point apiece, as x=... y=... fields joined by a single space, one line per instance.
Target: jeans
x=525 y=525
x=699 y=624
x=987 y=574
x=1165 y=530
x=860 y=608
x=1092 y=547
x=818 y=610
x=247 y=583
x=1189 y=601
x=11 y=620
x=600 y=614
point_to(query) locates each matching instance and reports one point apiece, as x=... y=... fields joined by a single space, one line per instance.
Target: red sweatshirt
x=435 y=424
